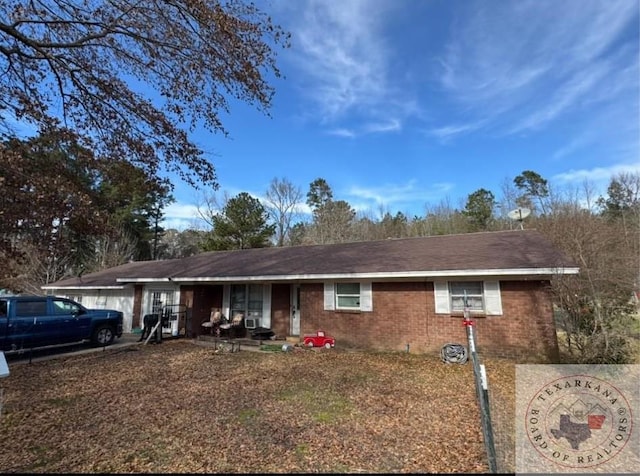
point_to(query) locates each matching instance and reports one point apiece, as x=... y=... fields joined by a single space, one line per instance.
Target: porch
x=242 y=343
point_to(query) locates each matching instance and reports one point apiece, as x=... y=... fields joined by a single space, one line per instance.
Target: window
x=483 y=297
x=159 y=300
x=64 y=307
x=31 y=308
x=348 y=296
x=472 y=290
x=247 y=299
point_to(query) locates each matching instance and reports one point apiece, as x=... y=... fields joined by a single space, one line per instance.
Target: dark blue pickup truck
x=30 y=322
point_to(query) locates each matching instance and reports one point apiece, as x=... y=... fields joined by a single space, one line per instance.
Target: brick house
x=394 y=294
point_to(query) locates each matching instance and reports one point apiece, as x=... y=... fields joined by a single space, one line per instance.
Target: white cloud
x=345 y=67
x=342 y=133
x=395 y=195
x=382 y=127
x=392 y=125
x=447 y=132
x=565 y=97
x=598 y=175
x=574 y=144
x=524 y=64
x=181 y=216
x=181 y=210
x=344 y=57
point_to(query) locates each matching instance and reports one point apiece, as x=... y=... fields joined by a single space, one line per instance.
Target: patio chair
x=235 y=328
x=213 y=324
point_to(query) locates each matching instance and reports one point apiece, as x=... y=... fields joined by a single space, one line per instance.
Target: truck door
x=27 y=324
x=71 y=321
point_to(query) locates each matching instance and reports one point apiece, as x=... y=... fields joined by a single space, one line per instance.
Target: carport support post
x=482 y=391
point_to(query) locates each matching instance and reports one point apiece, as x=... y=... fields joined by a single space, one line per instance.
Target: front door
x=295 y=310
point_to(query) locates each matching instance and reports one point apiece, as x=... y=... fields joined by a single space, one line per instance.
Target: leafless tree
x=283 y=200
x=211 y=204
x=111 y=250
x=594 y=308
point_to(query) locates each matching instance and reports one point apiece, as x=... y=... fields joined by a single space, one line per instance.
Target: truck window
x=64 y=307
x=3 y=308
x=31 y=308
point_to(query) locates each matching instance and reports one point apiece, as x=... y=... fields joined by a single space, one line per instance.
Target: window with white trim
x=483 y=297
x=159 y=299
x=247 y=299
x=348 y=296
x=473 y=291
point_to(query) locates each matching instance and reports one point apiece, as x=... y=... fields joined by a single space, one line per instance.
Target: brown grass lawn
x=179 y=407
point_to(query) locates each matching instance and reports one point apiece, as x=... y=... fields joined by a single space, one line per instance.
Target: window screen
x=474 y=295
x=348 y=295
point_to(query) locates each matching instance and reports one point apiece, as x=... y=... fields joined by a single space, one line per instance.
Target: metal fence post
x=482 y=391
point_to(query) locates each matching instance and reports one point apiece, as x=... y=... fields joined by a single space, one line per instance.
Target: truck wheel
x=103 y=335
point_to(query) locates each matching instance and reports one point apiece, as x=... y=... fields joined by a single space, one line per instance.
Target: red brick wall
x=137 y=306
x=404 y=316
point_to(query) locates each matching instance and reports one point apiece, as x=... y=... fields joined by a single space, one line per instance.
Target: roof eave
x=537 y=272
x=80 y=286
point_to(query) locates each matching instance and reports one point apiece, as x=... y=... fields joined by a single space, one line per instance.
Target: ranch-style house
x=395 y=294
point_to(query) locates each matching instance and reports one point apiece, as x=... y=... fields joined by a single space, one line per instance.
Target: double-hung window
x=471 y=291
x=348 y=296
x=482 y=297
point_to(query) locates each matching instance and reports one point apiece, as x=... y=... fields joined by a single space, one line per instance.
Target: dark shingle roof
x=505 y=252
x=108 y=277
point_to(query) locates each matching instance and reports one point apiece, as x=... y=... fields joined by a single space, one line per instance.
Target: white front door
x=295 y=310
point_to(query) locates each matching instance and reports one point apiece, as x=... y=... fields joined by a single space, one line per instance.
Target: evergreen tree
x=479 y=209
x=242 y=224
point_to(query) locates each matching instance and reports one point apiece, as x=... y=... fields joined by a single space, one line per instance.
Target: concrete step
x=243 y=342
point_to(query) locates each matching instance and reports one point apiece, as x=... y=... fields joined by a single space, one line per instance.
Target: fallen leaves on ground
x=182 y=408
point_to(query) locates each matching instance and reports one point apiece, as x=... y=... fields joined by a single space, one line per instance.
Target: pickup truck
x=34 y=322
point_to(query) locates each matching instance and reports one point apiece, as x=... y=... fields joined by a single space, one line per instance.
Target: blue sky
x=403 y=104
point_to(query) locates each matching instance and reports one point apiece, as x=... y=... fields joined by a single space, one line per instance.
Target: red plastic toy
x=319 y=340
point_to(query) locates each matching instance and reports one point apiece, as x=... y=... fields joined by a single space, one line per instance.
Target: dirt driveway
x=178 y=407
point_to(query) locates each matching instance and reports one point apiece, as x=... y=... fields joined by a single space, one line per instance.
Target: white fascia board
x=82 y=287
x=145 y=280
x=380 y=276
